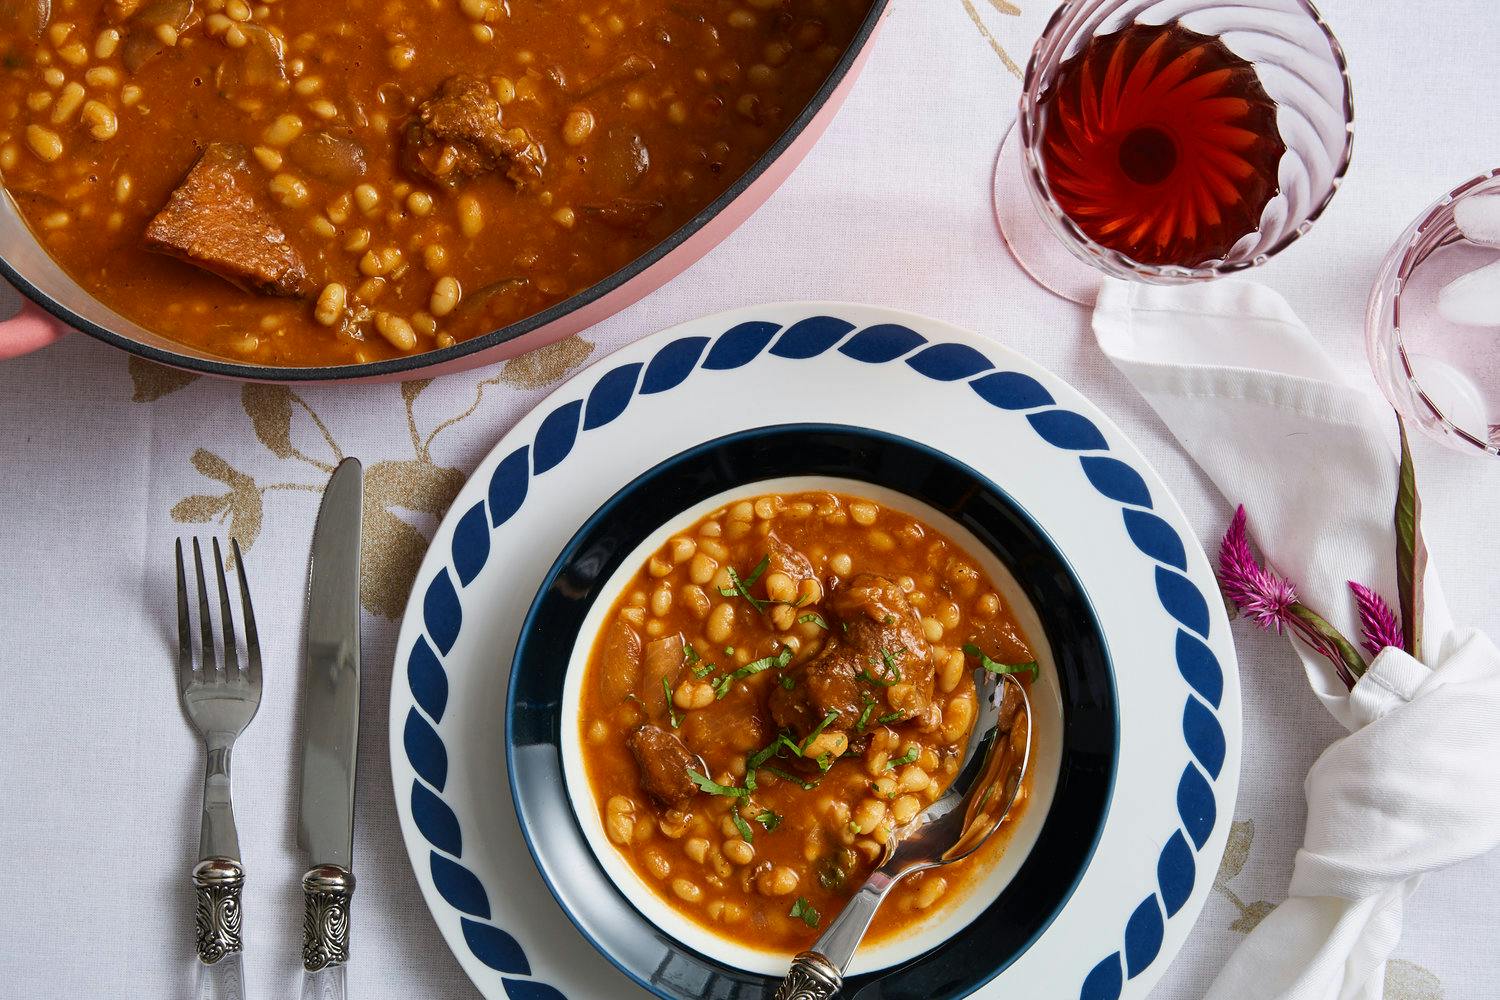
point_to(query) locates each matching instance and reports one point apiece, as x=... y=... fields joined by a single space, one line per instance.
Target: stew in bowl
x=755 y=738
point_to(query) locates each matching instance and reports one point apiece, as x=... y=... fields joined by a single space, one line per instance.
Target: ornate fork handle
x=326 y=892
x=219 y=882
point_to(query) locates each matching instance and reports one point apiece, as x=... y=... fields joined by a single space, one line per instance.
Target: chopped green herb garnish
x=703 y=671
x=762 y=755
x=903 y=760
x=778 y=660
x=742 y=586
x=803 y=910
x=825 y=761
x=889 y=717
x=728 y=650
x=768 y=819
x=747 y=834
x=787 y=681
x=892 y=670
x=784 y=776
x=1030 y=667
x=889 y=620
x=864 y=716
x=828 y=720
x=714 y=788
x=689 y=654
x=672 y=716
x=815 y=618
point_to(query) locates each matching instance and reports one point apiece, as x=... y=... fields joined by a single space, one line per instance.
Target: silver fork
x=220 y=700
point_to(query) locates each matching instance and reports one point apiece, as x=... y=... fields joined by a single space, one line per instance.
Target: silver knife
x=330 y=729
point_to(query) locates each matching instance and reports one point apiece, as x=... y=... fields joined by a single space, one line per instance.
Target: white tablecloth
x=99 y=774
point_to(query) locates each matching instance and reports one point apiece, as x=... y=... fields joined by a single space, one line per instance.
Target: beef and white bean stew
x=324 y=183
x=779 y=690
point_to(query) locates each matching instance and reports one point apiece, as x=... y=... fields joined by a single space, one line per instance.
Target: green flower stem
x=1329 y=641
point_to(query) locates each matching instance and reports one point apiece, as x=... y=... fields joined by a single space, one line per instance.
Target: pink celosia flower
x=1261 y=595
x=1378 y=624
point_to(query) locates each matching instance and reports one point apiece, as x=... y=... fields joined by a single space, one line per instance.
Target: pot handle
x=28 y=330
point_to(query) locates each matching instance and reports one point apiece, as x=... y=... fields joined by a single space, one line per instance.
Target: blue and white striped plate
x=1054 y=454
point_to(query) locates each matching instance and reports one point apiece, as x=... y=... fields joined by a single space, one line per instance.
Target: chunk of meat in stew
x=215 y=220
x=877 y=653
x=664 y=661
x=458 y=133
x=782 y=558
x=879 y=622
x=664 y=763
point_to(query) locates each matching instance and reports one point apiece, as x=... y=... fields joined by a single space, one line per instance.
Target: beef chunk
x=215 y=220
x=664 y=764
x=457 y=134
x=874 y=621
x=785 y=559
x=664 y=660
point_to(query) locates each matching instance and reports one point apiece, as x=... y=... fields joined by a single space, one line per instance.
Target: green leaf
x=903 y=760
x=746 y=834
x=785 y=776
x=672 y=716
x=803 y=910
x=828 y=720
x=1411 y=551
x=714 y=788
x=742 y=586
x=815 y=618
x=768 y=819
x=1029 y=667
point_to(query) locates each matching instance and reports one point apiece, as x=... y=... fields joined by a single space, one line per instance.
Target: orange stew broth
x=643 y=110
x=809 y=848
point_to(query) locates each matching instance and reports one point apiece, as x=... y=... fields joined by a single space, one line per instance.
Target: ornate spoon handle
x=818 y=973
x=811 y=977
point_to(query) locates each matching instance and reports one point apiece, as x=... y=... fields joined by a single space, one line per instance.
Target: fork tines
x=209 y=669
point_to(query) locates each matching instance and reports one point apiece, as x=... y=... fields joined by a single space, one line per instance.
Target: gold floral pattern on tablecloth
x=1006 y=8
x=391 y=549
x=1236 y=853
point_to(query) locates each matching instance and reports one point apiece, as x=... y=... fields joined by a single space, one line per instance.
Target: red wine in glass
x=1161 y=144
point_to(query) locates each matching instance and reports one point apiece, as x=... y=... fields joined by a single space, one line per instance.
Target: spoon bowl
x=952 y=828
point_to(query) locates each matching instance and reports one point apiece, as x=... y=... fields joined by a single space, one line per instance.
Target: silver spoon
x=949 y=830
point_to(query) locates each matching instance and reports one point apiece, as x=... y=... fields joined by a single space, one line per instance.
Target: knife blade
x=330 y=719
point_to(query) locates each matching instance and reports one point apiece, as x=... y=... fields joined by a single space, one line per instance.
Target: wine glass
x=1442 y=375
x=1089 y=86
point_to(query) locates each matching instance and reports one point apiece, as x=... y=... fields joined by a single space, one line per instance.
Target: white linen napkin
x=1259 y=406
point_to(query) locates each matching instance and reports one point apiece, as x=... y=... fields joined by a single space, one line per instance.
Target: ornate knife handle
x=811 y=977
x=326 y=891
x=218 y=882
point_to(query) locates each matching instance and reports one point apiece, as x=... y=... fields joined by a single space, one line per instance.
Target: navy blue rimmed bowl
x=975 y=953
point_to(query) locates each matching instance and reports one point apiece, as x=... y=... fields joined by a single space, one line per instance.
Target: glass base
x=1035 y=247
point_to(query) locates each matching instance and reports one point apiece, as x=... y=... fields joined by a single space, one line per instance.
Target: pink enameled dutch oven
x=55 y=303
